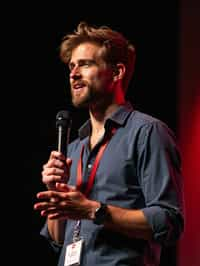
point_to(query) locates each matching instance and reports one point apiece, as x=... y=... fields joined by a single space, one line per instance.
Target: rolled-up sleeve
x=45 y=233
x=159 y=168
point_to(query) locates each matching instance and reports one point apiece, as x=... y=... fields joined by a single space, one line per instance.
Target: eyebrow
x=81 y=61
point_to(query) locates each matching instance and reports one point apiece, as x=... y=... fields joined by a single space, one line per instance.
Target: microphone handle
x=63 y=139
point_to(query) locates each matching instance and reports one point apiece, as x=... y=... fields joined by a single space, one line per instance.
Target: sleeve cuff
x=158 y=220
x=45 y=233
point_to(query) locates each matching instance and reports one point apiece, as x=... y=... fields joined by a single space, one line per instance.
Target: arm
x=131 y=223
x=56 y=170
x=160 y=178
x=72 y=204
x=159 y=174
x=56 y=230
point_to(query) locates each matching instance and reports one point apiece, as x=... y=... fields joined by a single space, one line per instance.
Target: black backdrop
x=37 y=89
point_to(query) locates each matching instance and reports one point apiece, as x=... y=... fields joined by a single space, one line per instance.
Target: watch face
x=100 y=214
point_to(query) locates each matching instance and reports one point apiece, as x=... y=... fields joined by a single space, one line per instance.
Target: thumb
x=69 y=162
x=62 y=187
x=67 y=168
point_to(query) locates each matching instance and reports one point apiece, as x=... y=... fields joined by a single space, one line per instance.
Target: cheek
x=94 y=78
x=106 y=80
x=99 y=79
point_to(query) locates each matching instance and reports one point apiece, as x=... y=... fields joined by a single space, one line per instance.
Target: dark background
x=38 y=88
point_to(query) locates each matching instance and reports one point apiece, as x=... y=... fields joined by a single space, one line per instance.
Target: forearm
x=56 y=228
x=128 y=222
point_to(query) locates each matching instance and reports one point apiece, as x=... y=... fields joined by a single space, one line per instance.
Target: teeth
x=78 y=86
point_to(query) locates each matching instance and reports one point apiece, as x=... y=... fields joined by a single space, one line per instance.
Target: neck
x=98 y=118
x=100 y=111
x=97 y=122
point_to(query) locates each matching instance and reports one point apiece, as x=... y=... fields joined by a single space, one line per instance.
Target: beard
x=90 y=96
x=97 y=100
x=82 y=99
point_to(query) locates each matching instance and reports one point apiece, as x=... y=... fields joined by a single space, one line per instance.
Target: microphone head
x=63 y=118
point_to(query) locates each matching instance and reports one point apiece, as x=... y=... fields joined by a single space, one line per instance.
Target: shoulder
x=143 y=119
x=148 y=126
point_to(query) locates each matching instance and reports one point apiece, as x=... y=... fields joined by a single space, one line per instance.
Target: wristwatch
x=100 y=214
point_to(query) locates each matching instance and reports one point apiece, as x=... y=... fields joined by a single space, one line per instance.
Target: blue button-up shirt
x=140 y=169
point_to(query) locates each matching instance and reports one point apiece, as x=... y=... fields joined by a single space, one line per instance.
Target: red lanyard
x=95 y=165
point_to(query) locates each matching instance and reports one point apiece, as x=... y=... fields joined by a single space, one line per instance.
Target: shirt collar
x=118 y=117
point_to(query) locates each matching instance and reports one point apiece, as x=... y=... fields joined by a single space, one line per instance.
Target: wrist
x=100 y=213
x=94 y=206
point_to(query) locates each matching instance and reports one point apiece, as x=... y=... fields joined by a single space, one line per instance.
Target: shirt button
x=89 y=166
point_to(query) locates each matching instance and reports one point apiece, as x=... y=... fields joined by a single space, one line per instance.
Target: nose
x=75 y=73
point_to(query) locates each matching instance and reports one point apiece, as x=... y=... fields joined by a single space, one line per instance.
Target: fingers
x=47 y=195
x=65 y=188
x=60 y=199
x=56 y=169
x=57 y=155
x=54 y=213
x=54 y=205
x=65 y=202
x=63 y=192
x=55 y=174
x=59 y=214
x=60 y=157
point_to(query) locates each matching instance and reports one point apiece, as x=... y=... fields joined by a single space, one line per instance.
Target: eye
x=85 y=63
x=71 y=66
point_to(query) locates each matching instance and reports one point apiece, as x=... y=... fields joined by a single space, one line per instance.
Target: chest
x=116 y=175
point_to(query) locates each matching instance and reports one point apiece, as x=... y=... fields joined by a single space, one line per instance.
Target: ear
x=119 y=71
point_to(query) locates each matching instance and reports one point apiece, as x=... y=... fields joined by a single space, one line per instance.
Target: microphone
x=63 y=126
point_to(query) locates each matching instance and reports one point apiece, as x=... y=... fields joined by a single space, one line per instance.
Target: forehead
x=85 y=50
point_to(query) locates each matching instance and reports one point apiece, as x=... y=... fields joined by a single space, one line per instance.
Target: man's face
x=91 y=79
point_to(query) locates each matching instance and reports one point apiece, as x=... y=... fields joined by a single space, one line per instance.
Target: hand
x=56 y=170
x=66 y=202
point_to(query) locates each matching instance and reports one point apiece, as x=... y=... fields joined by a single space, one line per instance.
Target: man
x=117 y=198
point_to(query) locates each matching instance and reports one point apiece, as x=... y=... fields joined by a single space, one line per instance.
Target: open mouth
x=78 y=87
